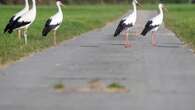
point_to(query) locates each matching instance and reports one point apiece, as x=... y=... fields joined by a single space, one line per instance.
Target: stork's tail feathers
x=9 y=25
x=144 y=32
x=118 y=31
x=45 y=31
x=7 y=28
x=10 y=31
x=116 y=34
x=119 y=28
x=147 y=28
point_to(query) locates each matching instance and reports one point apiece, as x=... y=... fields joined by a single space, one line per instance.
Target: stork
x=126 y=23
x=54 y=22
x=16 y=16
x=23 y=22
x=153 y=25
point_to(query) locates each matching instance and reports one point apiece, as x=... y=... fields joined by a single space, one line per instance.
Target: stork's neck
x=59 y=8
x=34 y=5
x=26 y=4
x=134 y=8
x=161 y=11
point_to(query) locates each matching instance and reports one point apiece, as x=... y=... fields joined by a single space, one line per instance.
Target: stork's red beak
x=138 y=4
x=165 y=8
x=62 y=4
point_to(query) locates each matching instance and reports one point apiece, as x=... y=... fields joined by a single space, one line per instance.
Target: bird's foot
x=127 y=45
x=154 y=45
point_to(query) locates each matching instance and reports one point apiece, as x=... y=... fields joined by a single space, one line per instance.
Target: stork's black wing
x=148 y=27
x=10 y=23
x=48 y=27
x=121 y=27
x=16 y=24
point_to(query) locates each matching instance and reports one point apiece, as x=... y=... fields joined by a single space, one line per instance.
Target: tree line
x=94 y=1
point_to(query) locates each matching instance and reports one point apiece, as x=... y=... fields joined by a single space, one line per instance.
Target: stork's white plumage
x=26 y=8
x=16 y=16
x=28 y=18
x=54 y=22
x=154 y=24
x=126 y=23
x=24 y=21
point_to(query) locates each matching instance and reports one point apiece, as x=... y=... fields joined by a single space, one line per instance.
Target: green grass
x=59 y=86
x=181 y=20
x=77 y=20
x=116 y=86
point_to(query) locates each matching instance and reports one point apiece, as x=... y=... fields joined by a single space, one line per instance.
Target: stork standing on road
x=16 y=16
x=23 y=22
x=126 y=23
x=153 y=25
x=54 y=22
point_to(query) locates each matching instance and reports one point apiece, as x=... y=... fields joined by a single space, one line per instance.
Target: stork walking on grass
x=154 y=24
x=15 y=17
x=24 y=21
x=54 y=22
x=126 y=23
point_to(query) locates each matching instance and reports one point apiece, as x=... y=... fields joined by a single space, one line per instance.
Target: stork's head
x=59 y=2
x=137 y=3
x=161 y=6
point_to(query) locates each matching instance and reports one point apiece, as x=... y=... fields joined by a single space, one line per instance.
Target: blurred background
x=48 y=2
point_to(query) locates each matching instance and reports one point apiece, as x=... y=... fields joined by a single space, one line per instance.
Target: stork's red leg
x=19 y=34
x=25 y=36
x=126 y=41
x=54 y=38
x=154 y=39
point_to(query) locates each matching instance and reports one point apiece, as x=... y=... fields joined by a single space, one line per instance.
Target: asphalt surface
x=160 y=78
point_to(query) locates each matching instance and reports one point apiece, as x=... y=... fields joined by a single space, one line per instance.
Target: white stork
x=16 y=16
x=126 y=23
x=154 y=24
x=54 y=22
x=24 y=21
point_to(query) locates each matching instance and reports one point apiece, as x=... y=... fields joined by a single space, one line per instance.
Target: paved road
x=160 y=78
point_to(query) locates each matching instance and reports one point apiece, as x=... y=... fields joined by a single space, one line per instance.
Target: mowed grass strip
x=181 y=20
x=77 y=20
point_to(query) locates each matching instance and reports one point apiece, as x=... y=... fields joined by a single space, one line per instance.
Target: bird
x=16 y=16
x=126 y=23
x=154 y=24
x=24 y=21
x=54 y=22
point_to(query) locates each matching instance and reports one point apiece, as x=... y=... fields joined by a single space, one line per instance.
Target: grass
x=59 y=87
x=181 y=20
x=77 y=20
x=116 y=86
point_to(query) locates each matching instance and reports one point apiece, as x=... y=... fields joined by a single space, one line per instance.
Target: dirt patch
x=94 y=86
x=2 y=67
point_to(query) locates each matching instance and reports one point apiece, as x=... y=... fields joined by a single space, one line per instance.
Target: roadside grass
x=181 y=20
x=77 y=19
x=116 y=86
x=59 y=87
